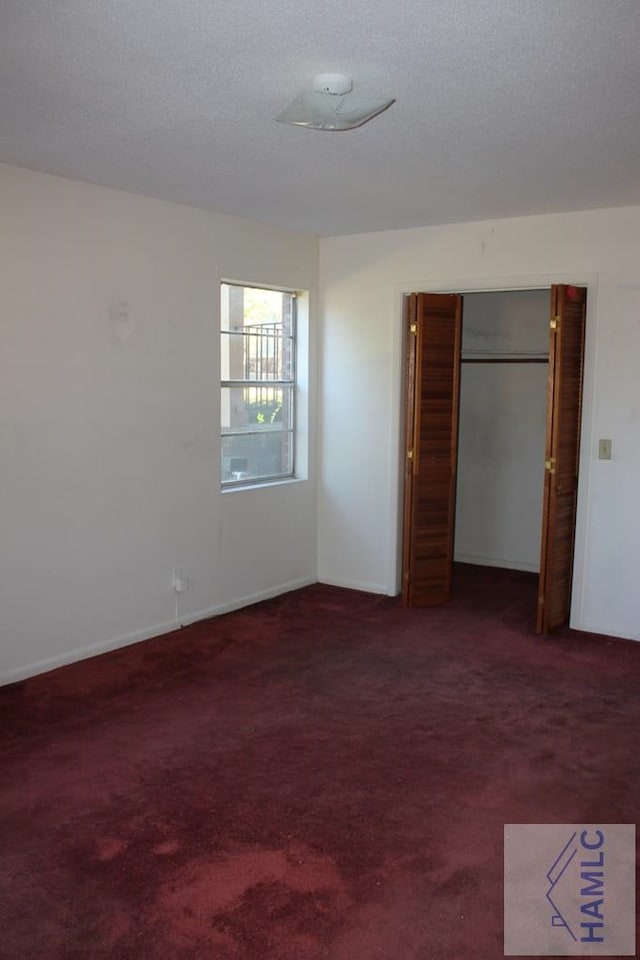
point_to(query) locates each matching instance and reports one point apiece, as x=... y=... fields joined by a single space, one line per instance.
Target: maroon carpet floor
x=324 y=775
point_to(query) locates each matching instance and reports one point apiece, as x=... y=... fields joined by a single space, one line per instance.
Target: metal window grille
x=258 y=384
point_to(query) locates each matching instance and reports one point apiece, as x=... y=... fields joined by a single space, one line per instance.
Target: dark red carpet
x=325 y=775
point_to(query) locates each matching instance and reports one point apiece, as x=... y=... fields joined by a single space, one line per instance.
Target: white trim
x=258 y=285
x=621 y=633
x=247 y=601
x=260 y=484
x=523 y=565
x=587 y=440
x=148 y=633
x=84 y=653
x=365 y=587
x=303 y=383
x=497 y=284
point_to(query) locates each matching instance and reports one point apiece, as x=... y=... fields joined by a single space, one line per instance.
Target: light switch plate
x=604 y=449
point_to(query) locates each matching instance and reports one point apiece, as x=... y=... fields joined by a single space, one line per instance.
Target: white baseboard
x=83 y=653
x=497 y=562
x=355 y=585
x=607 y=630
x=246 y=601
x=125 y=640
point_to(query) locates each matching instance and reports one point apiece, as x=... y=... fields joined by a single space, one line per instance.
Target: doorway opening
x=493 y=411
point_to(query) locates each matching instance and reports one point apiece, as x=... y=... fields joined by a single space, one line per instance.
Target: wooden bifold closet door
x=433 y=396
x=434 y=328
x=564 y=410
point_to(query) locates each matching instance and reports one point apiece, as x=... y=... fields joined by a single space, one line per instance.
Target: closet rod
x=504 y=360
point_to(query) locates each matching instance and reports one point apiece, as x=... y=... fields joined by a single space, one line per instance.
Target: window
x=258 y=347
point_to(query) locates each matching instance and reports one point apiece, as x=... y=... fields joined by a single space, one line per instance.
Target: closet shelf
x=479 y=357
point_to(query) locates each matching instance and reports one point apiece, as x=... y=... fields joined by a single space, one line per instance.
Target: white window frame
x=290 y=384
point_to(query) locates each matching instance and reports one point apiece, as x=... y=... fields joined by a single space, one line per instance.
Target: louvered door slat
x=432 y=438
x=563 y=446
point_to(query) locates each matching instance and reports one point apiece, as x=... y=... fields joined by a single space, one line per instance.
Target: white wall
x=363 y=279
x=502 y=430
x=109 y=421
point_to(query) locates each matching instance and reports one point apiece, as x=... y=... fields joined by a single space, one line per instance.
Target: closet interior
x=493 y=395
x=502 y=428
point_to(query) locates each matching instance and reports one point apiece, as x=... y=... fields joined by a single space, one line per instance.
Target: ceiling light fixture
x=330 y=105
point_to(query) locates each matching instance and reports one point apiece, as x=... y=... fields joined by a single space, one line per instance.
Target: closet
x=502 y=428
x=492 y=436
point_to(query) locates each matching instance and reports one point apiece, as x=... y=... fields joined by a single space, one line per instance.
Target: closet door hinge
x=555 y=323
x=550 y=465
x=413 y=328
x=410 y=454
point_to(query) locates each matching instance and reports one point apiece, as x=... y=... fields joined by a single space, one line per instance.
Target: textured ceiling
x=504 y=107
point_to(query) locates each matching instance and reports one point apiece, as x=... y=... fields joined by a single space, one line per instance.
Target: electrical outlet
x=604 y=449
x=179 y=582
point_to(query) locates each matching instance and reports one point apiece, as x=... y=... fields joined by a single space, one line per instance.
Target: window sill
x=262 y=484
